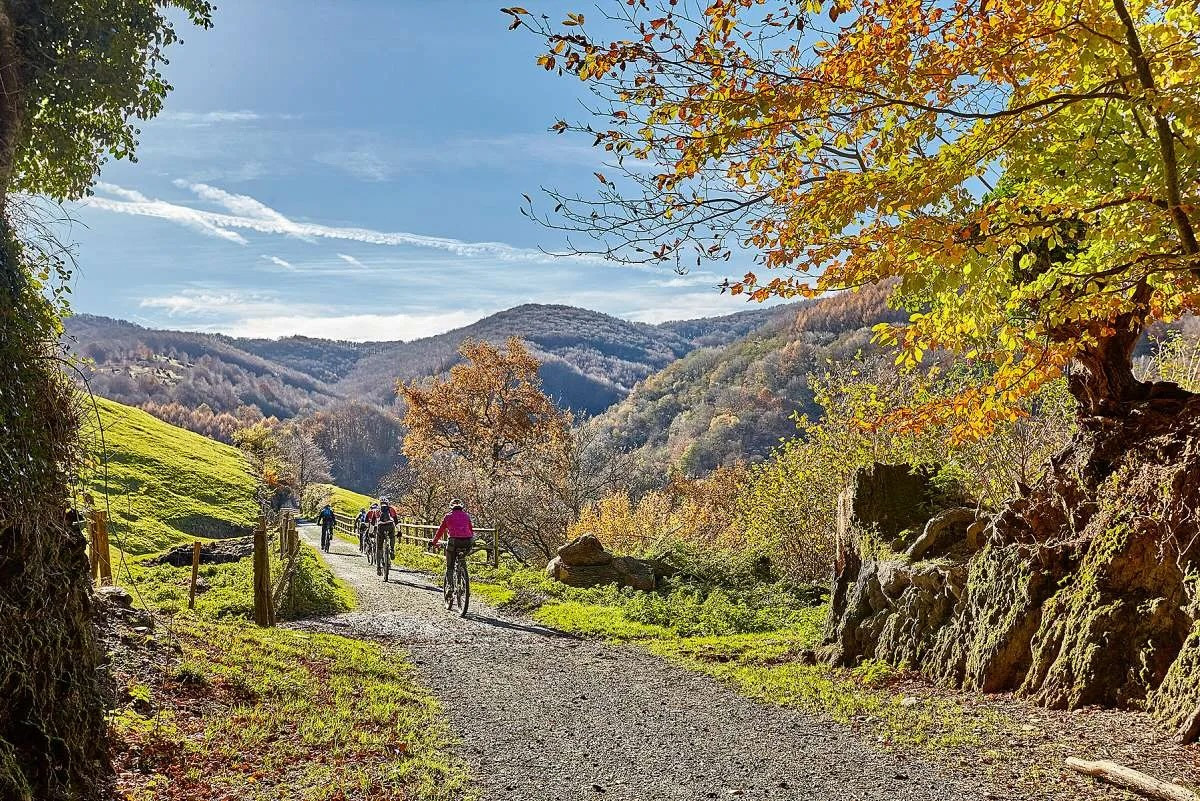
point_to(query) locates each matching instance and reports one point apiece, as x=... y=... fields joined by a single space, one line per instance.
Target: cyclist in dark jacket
x=360 y=525
x=385 y=531
x=328 y=519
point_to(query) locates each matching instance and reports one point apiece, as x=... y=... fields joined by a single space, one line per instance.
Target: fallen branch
x=1132 y=779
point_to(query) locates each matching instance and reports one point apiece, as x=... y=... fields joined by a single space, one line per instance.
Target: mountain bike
x=385 y=552
x=369 y=545
x=326 y=536
x=459 y=592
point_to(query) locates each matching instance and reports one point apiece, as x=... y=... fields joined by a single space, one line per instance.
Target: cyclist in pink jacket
x=456 y=525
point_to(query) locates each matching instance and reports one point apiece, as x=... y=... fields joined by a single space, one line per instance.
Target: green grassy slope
x=346 y=503
x=165 y=485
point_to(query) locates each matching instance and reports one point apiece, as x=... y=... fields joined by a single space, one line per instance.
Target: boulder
x=890 y=598
x=585 y=551
x=211 y=553
x=118 y=596
x=584 y=562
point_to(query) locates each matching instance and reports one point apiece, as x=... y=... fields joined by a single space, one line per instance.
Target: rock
x=118 y=596
x=585 y=551
x=883 y=605
x=944 y=530
x=211 y=553
x=892 y=500
x=584 y=562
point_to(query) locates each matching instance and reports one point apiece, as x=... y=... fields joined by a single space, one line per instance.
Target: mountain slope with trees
x=720 y=405
x=589 y=360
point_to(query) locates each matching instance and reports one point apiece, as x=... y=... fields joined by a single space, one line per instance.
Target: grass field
x=262 y=715
x=164 y=485
x=346 y=503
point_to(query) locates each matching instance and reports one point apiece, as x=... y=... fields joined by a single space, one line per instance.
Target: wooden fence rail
x=412 y=532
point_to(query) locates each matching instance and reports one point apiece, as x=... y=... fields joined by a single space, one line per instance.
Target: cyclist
x=328 y=519
x=360 y=525
x=385 y=529
x=460 y=537
x=369 y=539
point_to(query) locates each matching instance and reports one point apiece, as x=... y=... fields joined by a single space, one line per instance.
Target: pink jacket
x=457 y=524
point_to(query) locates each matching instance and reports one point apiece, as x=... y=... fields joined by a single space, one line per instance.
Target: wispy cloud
x=354 y=327
x=346 y=257
x=132 y=202
x=687 y=306
x=219 y=117
x=208 y=117
x=374 y=158
x=359 y=162
x=698 y=278
x=249 y=214
x=214 y=303
x=264 y=314
x=278 y=262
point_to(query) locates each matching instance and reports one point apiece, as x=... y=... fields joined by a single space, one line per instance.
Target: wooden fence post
x=195 y=573
x=101 y=555
x=264 y=615
x=495 y=545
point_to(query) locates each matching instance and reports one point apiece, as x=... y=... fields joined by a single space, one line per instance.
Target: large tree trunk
x=51 y=699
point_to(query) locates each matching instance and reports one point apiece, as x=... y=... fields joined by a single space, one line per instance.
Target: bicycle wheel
x=386 y=557
x=462 y=585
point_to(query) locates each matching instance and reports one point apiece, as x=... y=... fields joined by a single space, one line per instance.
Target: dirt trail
x=542 y=715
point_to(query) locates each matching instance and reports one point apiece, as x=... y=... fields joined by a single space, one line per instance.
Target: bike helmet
x=456 y=504
x=384 y=499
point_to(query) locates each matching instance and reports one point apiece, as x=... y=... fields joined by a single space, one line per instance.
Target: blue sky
x=352 y=170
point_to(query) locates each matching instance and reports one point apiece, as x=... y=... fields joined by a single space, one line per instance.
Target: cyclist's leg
x=451 y=556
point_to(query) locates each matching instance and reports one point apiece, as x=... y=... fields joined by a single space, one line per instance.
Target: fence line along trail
x=546 y=717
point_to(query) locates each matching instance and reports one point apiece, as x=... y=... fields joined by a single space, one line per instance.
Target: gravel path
x=544 y=716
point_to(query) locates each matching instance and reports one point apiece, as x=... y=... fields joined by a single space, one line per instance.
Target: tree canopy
x=1028 y=169
x=489 y=410
x=79 y=72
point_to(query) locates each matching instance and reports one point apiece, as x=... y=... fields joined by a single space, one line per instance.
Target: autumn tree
x=302 y=464
x=76 y=76
x=1029 y=172
x=489 y=410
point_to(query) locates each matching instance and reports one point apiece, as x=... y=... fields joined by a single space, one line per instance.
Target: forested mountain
x=718 y=405
x=214 y=384
x=141 y=366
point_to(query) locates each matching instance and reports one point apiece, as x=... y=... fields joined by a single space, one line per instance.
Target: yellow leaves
x=573 y=20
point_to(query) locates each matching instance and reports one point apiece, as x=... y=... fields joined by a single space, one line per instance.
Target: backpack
x=387 y=514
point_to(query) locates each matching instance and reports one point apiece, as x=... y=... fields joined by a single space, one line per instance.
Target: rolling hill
x=163 y=484
x=718 y=405
x=590 y=361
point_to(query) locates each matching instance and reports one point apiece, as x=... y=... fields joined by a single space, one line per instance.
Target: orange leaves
x=488 y=410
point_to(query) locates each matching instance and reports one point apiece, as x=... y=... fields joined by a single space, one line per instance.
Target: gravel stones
x=542 y=716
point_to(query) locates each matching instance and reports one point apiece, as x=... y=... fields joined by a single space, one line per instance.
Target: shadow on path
x=540 y=631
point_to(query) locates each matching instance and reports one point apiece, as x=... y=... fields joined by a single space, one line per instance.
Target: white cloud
x=278 y=262
x=121 y=192
x=252 y=215
x=209 y=117
x=360 y=162
x=131 y=202
x=689 y=306
x=354 y=327
x=346 y=257
x=210 y=303
x=688 y=279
